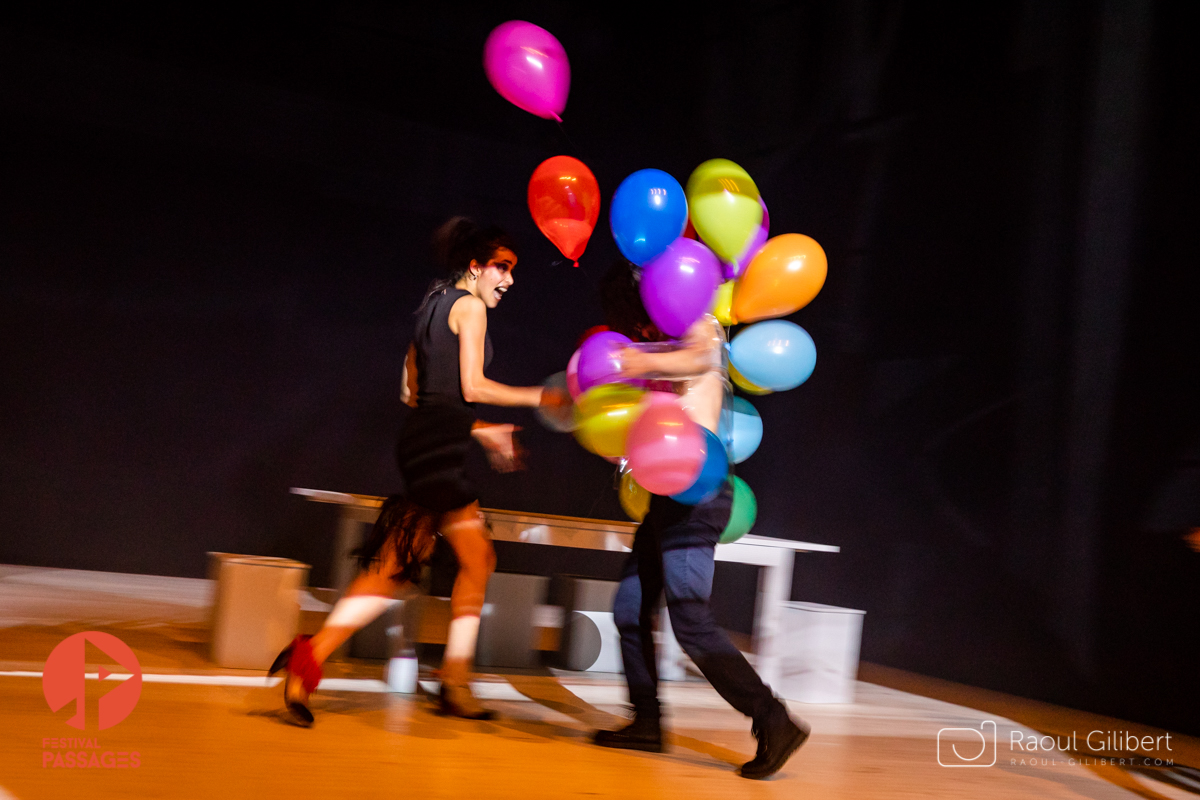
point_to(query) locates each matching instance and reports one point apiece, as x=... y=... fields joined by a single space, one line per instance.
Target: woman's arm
x=408 y=378
x=468 y=319
x=696 y=353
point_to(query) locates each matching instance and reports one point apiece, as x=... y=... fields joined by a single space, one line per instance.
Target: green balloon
x=743 y=513
x=726 y=222
x=723 y=206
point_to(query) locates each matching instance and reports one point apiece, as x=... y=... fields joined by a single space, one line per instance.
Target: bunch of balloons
x=706 y=249
x=731 y=267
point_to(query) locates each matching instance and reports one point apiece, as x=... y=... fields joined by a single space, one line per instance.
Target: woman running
x=443 y=380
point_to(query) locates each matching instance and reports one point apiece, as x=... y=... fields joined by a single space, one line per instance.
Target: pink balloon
x=573 y=376
x=734 y=269
x=665 y=448
x=528 y=67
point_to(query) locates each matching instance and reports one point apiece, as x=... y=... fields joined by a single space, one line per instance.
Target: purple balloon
x=678 y=285
x=529 y=68
x=598 y=362
x=734 y=269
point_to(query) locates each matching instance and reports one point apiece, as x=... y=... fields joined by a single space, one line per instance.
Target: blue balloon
x=712 y=474
x=648 y=212
x=742 y=431
x=776 y=354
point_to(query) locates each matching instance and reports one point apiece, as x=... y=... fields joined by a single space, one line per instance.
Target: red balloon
x=564 y=200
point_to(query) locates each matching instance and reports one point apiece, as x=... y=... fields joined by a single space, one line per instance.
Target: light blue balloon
x=776 y=354
x=649 y=211
x=743 y=432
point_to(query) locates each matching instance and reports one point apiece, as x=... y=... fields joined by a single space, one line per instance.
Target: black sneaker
x=644 y=733
x=778 y=737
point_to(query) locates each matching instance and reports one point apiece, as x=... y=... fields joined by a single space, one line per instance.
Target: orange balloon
x=784 y=277
x=564 y=200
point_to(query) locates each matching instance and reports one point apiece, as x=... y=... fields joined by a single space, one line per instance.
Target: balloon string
x=563 y=131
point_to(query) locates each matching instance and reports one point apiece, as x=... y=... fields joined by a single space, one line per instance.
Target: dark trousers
x=673 y=552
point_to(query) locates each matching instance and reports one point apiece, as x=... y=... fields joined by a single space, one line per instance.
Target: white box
x=819 y=652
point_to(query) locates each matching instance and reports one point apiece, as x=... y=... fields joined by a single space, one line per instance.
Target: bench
x=775 y=558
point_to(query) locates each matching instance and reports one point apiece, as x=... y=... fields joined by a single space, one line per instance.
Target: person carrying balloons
x=443 y=380
x=674 y=547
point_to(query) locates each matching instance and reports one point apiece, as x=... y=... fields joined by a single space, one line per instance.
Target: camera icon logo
x=950 y=756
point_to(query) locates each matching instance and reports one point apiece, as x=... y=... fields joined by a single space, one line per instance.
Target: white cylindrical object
x=402 y=674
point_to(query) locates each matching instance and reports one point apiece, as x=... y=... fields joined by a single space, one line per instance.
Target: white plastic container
x=819 y=651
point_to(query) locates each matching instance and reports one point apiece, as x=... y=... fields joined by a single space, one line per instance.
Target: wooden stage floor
x=203 y=732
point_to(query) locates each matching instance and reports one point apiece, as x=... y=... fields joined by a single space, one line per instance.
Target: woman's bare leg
x=367 y=586
x=465 y=531
x=368 y=595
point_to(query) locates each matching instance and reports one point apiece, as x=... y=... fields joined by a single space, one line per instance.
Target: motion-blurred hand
x=633 y=362
x=555 y=398
x=504 y=453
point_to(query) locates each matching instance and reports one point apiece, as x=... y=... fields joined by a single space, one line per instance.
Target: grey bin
x=506 y=631
x=256 y=608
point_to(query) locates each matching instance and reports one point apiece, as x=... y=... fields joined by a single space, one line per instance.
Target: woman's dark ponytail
x=458 y=242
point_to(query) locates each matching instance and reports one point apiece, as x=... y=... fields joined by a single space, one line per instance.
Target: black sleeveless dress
x=433 y=444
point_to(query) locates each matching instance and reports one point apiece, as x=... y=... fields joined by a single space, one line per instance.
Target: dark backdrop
x=216 y=222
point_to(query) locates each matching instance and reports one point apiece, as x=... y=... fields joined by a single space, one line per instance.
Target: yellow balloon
x=634 y=499
x=723 y=206
x=603 y=415
x=723 y=304
x=784 y=276
x=744 y=384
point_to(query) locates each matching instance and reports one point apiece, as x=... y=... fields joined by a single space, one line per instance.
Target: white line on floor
x=491 y=690
x=154 y=677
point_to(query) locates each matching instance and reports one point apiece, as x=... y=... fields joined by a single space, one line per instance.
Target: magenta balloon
x=678 y=285
x=529 y=68
x=734 y=269
x=598 y=362
x=665 y=448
